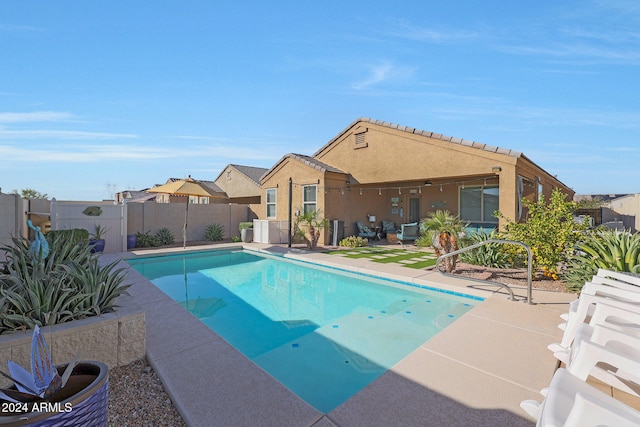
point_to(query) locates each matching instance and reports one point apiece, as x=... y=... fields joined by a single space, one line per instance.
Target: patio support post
x=290 y=208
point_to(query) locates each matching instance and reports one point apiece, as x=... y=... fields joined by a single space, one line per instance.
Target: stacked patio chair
x=601 y=340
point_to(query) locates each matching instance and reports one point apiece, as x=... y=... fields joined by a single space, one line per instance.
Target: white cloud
x=60 y=134
x=403 y=29
x=381 y=73
x=18 y=28
x=36 y=116
x=82 y=153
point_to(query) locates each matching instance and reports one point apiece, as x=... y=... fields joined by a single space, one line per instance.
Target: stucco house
x=625 y=209
x=397 y=173
x=241 y=183
x=221 y=197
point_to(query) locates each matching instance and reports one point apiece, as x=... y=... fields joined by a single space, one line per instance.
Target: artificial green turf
x=398 y=255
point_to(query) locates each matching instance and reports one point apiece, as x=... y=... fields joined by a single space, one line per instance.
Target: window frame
x=273 y=203
x=492 y=219
x=306 y=204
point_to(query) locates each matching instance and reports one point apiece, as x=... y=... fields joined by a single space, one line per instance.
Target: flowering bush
x=353 y=242
x=550 y=231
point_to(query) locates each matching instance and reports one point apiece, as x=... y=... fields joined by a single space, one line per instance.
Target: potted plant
x=246 y=232
x=65 y=395
x=97 y=240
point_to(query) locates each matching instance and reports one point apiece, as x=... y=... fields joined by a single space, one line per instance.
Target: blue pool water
x=323 y=333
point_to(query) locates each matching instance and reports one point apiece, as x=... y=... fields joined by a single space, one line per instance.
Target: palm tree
x=308 y=227
x=442 y=230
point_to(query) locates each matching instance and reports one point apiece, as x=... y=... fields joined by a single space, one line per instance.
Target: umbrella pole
x=184 y=229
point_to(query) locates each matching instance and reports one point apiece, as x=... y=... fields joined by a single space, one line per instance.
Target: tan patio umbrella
x=185 y=187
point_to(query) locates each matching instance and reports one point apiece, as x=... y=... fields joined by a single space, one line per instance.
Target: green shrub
x=550 y=231
x=78 y=235
x=164 y=236
x=146 y=240
x=236 y=239
x=488 y=255
x=608 y=249
x=69 y=284
x=214 y=232
x=353 y=242
x=244 y=225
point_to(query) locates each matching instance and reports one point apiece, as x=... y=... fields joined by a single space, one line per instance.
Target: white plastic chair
x=616 y=364
x=581 y=308
x=608 y=355
x=615 y=315
x=570 y=402
x=619 y=276
x=622 y=360
x=615 y=279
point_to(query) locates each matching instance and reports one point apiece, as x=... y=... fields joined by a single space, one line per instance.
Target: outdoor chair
x=572 y=402
x=612 y=360
x=387 y=227
x=612 y=317
x=584 y=306
x=407 y=232
x=364 y=231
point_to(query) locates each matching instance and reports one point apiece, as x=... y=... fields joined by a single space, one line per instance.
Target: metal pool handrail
x=477 y=245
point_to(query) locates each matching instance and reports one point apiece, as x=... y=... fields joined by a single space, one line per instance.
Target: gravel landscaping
x=137 y=398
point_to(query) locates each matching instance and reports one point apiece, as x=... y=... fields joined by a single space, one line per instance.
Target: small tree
x=308 y=227
x=28 y=193
x=441 y=230
x=550 y=231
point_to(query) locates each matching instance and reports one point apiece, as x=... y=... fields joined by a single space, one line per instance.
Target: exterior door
x=414 y=209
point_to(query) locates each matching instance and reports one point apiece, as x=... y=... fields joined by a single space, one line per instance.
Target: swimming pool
x=323 y=333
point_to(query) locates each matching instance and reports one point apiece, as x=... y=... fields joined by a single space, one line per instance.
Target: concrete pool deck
x=475 y=372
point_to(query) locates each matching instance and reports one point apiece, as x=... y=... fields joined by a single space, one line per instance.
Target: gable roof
x=213 y=186
x=307 y=160
x=251 y=172
x=425 y=133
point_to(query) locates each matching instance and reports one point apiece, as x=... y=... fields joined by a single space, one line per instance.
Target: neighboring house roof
x=251 y=172
x=135 y=196
x=140 y=198
x=600 y=197
x=307 y=160
x=209 y=184
x=415 y=131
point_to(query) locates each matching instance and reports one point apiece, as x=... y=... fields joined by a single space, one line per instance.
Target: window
x=271 y=202
x=540 y=191
x=309 y=196
x=477 y=204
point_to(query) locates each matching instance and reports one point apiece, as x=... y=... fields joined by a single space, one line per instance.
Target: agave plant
x=608 y=249
x=164 y=236
x=488 y=255
x=43 y=380
x=214 y=232
x=69 y=284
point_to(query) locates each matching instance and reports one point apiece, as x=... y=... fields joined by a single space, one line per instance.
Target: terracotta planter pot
x=82 y=402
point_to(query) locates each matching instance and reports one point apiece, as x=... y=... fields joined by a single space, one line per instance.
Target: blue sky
x=103 y=96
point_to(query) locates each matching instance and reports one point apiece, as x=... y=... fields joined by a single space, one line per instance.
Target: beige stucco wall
x=151 y=216
x=628 y=210
x=10 y=217
x=237 y=185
